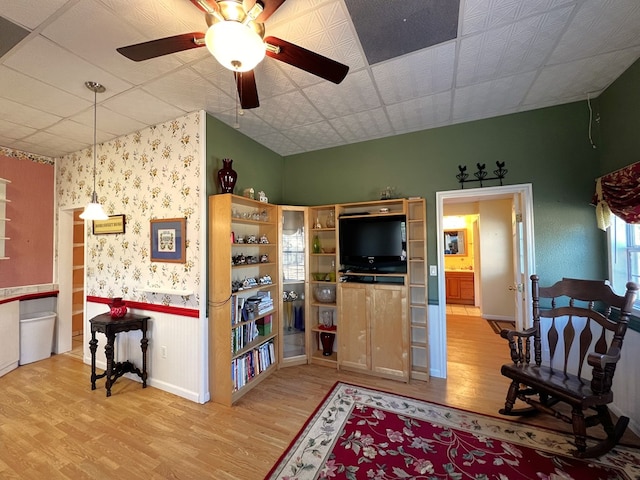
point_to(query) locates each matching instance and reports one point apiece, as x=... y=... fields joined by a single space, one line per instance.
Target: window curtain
x=618 y=193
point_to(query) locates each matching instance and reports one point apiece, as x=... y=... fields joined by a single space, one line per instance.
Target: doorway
x=70 y=273
x=523 y=254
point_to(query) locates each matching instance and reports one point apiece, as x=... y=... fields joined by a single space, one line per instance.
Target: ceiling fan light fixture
x=235 y=46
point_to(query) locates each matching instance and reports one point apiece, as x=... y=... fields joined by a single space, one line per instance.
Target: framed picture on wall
x=168 y=240
x=114 y=224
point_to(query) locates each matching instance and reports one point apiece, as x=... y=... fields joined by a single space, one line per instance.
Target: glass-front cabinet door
x=293 y=266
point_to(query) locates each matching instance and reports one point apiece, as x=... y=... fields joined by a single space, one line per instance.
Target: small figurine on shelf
x=249 y=193
x=264 y=239
x=262 y=197
x=264 y=258
x=317 y=224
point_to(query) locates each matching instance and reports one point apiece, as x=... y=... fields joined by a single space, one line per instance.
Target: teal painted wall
x=548 y=148
x=256 y=165
x=619 y=143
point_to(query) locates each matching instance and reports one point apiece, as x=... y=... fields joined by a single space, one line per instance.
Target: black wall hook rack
x=481 y=174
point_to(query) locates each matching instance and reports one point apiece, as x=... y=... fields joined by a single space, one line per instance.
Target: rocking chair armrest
x=512 y=334
x=603 y=359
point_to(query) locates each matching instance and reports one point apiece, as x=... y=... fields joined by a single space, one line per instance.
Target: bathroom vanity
x=460 y=287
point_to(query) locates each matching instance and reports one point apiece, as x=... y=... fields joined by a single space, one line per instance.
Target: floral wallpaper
x=149 y=174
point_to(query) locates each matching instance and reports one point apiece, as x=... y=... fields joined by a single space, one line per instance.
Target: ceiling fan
x=235 y=37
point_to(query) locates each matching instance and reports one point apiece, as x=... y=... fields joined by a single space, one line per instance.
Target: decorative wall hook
x=481 y=174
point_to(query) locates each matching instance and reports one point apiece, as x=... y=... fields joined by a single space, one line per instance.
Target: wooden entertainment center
x=312 y=311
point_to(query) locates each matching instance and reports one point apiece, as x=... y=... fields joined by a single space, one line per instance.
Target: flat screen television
x=376 y=244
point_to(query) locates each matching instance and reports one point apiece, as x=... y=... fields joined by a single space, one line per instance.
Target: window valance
x=618 y=193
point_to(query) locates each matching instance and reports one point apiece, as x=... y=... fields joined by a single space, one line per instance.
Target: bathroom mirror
x=455 y=242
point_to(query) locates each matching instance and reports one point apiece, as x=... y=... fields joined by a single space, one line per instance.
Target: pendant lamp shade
x=93 y=210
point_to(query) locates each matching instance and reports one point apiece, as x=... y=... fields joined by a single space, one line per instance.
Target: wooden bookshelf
x=243 y=265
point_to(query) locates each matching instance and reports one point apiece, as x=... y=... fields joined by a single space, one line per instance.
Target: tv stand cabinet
x=374 y=334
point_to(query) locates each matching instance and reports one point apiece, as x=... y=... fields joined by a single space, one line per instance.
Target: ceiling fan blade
x=247 y=89
x=307 y=60
x=162 y=46
x=269 y=7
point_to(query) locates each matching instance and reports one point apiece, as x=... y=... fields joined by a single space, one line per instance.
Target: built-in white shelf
x=166 y=291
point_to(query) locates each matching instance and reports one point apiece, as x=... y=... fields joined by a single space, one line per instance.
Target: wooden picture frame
x=168 y=240
x=113 y=224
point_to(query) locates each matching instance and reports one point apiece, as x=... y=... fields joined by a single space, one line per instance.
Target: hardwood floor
x=53 y=426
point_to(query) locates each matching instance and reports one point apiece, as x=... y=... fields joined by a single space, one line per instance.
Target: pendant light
x=93 y=210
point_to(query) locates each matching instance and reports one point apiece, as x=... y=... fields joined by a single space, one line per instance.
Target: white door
x=519 y=283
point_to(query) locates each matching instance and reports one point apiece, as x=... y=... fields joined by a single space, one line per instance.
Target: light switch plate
x=433 y=271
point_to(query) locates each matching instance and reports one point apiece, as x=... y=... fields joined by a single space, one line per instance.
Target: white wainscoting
x=180 y=373
x=626 y=382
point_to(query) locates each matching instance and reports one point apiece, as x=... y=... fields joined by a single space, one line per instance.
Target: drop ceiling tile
x=325 y=30
x=159 y=18
x=416 y=75
x=316 y=135
x=54 y=142
x=408 y=26
x=288 y=110
x=279 y=143
x=420 y=113
x=514 y=48
x=363 y=126
x=600 y=26
x=19 y=87
x=25 y=115
x=580 y=77
x=490 y=98
x=40 y=58
x=29 y=14
x=355 y=94
x=188 y=91
x=143 y=107
x=246 y=122
x=107 y=32
x=110 y=124
x=481 y=15
x=14 y=131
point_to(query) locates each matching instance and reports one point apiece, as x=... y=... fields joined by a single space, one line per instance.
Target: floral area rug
x=360 y=433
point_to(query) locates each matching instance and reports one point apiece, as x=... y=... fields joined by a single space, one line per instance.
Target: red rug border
x=333 y=387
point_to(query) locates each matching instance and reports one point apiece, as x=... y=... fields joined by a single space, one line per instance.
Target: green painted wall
x=548 y=148
x=619 y=119
x=256 y=165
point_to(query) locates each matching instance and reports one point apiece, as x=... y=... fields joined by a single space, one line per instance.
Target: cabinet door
x=353 y=331
x=389 y=331
x=452 y=286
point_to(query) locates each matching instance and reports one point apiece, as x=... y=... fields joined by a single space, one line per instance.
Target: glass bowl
x=325 y=293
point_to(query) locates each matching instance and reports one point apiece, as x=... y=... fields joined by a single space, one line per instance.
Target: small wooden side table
x=110 y=327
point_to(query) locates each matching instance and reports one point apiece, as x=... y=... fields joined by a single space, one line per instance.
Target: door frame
x=439 y=330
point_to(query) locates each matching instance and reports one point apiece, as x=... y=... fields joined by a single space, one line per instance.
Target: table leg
x=143 y=345
x=93 y=345
x=108 y=350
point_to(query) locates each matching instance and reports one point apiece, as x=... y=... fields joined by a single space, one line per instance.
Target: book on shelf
x=251 y=364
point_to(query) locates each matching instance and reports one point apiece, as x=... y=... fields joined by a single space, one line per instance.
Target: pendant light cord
x=95 y=127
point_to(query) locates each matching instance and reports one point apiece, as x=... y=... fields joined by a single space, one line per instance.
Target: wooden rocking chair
x=573 y=321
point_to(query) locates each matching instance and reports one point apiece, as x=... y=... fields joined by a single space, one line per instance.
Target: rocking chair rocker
x=579 y=320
